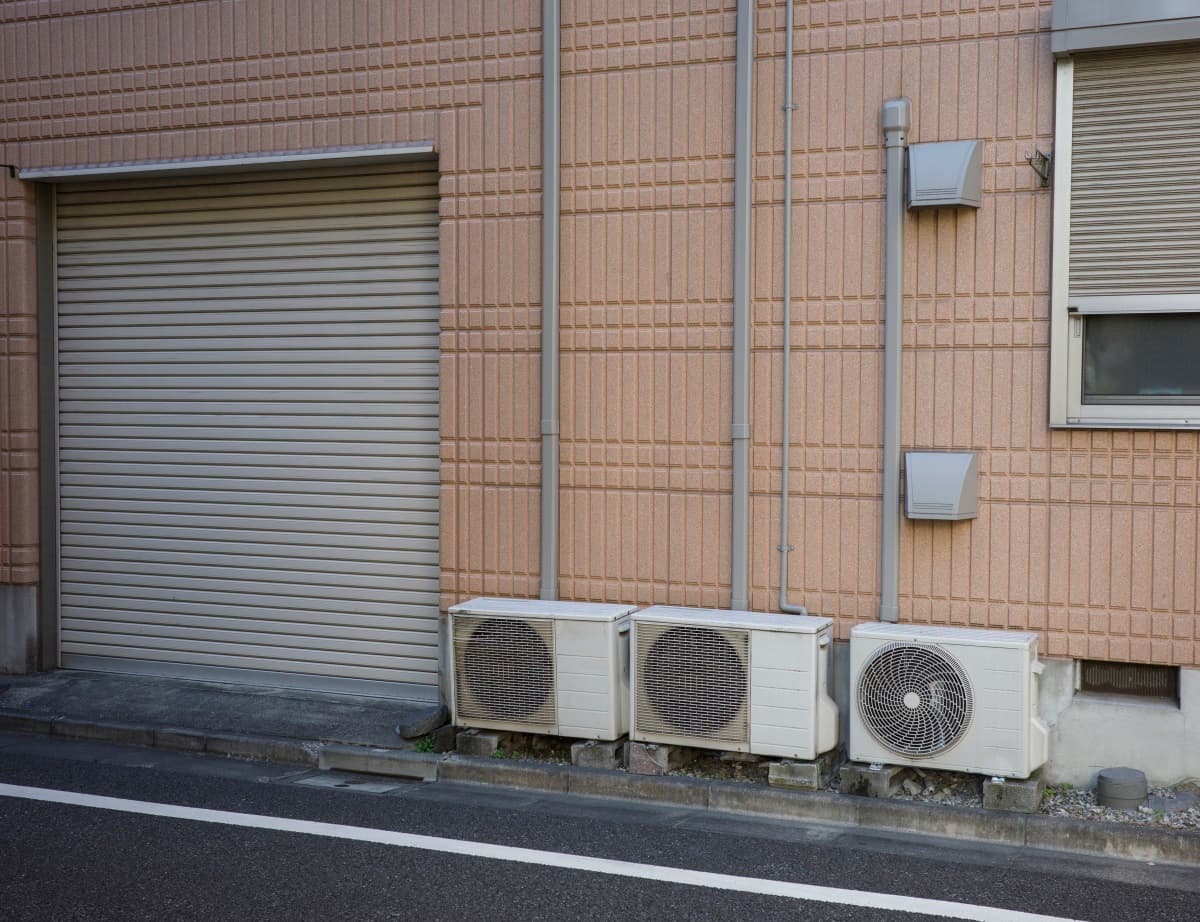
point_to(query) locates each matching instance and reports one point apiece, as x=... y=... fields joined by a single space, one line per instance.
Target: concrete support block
x=595 y=754
x=482 y=743
x=653 y=759
x=444 y=738
x=1013 y=796
x=18 y=630
x=870 y=780
x=802 y=776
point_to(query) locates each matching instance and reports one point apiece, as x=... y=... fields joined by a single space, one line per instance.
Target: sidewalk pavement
x=358 y=734
x=199 y=710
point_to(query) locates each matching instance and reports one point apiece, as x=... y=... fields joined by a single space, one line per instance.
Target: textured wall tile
x=1090 y=538
x=976 y=340
x=19 y=529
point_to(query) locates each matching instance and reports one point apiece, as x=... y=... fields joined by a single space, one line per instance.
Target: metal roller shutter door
x=248 y=428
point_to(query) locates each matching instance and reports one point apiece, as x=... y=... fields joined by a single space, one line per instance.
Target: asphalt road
x=91 y=862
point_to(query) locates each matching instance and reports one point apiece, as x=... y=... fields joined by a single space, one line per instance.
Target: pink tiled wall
x=647 y=236
x=1088 y=537
x=18 y=385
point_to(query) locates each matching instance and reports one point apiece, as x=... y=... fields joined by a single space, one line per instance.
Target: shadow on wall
x=18 y=630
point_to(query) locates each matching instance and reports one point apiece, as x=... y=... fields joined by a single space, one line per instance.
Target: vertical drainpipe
x=550 y=269
x=895 y=133
x=785 y=453
x=742 y=123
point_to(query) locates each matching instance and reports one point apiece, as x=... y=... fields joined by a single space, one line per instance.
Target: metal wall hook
x=1043 y=165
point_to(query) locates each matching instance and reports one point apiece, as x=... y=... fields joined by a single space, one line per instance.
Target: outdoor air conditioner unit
x=559 y=668
x=956 y=699
x=734 y=681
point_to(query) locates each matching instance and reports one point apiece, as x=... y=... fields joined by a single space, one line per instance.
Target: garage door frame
x=49 y=595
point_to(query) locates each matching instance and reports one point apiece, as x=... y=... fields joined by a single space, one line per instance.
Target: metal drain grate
x=914 y=699
x=504 y=670
x=692 y=682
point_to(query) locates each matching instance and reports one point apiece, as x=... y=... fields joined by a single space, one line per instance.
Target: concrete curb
x=266 y=748
x=398 y=763
x=1033 y=830
x=534 y=776
x=592 y=782
x=263 y=748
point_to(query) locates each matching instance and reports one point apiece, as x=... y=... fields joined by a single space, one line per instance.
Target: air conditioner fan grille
x=915 y=699
x=693 y=681
x=504 y=670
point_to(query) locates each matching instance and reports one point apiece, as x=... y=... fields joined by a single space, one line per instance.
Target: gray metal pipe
x=789 y=107
x=550 y=270
x=895 y=134
x=742 y=190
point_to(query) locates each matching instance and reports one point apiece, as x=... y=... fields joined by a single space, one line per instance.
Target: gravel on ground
x=1171 y=807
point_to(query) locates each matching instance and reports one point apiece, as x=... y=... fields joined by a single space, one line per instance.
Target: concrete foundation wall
x=1089 y=732
x=18 y=630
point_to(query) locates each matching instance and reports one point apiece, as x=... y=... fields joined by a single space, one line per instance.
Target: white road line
x=885 y=901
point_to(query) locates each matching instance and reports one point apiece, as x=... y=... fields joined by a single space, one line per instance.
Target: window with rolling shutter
x=1127 y=239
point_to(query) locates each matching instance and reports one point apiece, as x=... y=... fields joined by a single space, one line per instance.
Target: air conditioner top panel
x=948 y=635
x=720 y=617
x=538 y=608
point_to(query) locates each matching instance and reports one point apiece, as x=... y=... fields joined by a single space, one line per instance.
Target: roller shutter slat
x=232 y=650
x=255 y=633
x=283 y=621
x=118 y=598
x=88 y=655
x=302 y=595
x=271 y=551
x=202 y=512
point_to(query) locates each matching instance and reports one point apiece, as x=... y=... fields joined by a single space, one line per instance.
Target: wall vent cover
x=504 y=669
x=915 y=699
x=1140 y=679
x=693 y=681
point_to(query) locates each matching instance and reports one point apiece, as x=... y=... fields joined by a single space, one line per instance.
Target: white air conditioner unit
x=735 y=681
x=957 y=699
x=559 y=668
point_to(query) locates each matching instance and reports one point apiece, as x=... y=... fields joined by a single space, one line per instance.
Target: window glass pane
x=1141 y=358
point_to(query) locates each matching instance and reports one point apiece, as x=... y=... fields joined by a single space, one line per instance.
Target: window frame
x=1068 y=315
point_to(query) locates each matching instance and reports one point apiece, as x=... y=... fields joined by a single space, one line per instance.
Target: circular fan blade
x=914 y=699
